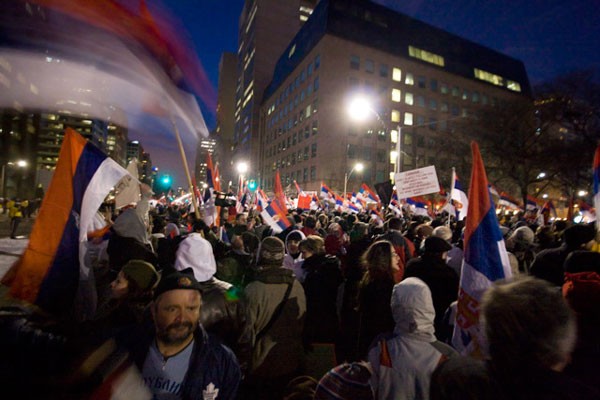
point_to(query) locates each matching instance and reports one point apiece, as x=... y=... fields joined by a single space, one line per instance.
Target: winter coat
x=374 y=312
x=441 y=280
x=294 y=264
x=323 y=278
x=403 y=363
x=278 y=351
x=211 y=363
x=224 y=313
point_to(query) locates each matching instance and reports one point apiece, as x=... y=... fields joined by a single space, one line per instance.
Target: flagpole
x=186 y=168
x=449 y=200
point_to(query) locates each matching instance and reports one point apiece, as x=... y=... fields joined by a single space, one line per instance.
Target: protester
x=277 y=307
x=531 y=333
x=403 y=362
x=401 y=247
x=548 y=264
x=431 y=268
x=375 y=315
x=293 y=259
x=455 y=254
x=224 y=309
x=178 y=358
x=520 y=245
x=16 y=215
x=130 y=294
x=322 y=280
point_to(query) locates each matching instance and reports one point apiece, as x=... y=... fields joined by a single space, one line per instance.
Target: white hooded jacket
x=295 y=264
x=403 y=364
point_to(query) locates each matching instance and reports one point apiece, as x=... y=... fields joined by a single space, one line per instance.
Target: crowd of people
x=336 y=306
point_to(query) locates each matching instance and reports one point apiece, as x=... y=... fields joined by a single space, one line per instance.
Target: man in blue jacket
x=178 y=359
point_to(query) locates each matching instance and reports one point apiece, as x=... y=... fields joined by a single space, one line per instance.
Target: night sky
x=551 y=37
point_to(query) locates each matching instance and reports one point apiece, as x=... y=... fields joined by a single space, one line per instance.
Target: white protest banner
x=416 y=182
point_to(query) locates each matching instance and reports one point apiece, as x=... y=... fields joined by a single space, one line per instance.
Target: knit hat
x=523 y=235
x=271 y=251
x=177 y=280
x=348 y=381
x=577 y=235
x=434 y=244
x=196 y=253
x=141 y=272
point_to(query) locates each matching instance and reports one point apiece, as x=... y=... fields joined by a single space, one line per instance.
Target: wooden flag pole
x=186 y=168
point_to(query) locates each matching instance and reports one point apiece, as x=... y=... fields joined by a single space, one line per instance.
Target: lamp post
x=358 y=167
x=18 y=163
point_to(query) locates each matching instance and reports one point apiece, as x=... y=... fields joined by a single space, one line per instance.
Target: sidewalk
x=10 y=250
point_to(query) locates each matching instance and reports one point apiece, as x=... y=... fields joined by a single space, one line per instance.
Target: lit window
x=408 y=98
x=426 y=56
x=489 y=77
x=394 y=136
x=410 y=79
x=514 y=86
x=395 y=116
x=408 y=118
x=396 y=95
x=397 y=74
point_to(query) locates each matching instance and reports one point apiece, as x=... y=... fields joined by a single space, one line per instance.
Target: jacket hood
x=412 y=309
x=299 y=232
x=196 y=252
x=130 y=225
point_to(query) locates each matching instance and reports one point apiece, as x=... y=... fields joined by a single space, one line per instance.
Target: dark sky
x=550 y=36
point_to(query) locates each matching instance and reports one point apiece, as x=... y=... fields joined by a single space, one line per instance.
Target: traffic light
x=252 y=185
x=165 y=180
x=162 y=184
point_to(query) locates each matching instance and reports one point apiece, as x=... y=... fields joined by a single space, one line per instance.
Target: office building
x=418 y=78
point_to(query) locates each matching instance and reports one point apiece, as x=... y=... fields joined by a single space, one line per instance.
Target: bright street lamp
x=360 y=108
x=242 y=167
x=358 y=167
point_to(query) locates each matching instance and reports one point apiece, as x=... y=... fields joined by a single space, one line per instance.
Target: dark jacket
x=548 y=264
x=211 y=362
x=322 y=280
x=441 y=280
x=400 y=245
x=224 y=313
x=375 y=312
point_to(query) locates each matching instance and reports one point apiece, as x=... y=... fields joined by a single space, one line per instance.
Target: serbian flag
x=597 y=182
x=275 y=216
x=485 y=260
x=325 y=191
x=507 y=201
x=368 y=193
x=51 y=269
x=459 y=198
x=418 y=205
x=279 y=193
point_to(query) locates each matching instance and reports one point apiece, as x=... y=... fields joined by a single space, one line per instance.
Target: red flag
x=279 y=194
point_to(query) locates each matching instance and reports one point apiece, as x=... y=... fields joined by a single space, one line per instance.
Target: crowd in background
x=337 y=306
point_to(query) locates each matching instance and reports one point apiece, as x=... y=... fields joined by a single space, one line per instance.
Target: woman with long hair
x=374 y=293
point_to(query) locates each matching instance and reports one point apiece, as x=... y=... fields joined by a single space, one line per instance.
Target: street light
x=358 y=167
x=359 y=110
x=242 y=168
x=18 y=163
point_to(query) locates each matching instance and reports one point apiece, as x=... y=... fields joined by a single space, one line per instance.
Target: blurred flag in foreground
x=485 y=260
x=52 y=267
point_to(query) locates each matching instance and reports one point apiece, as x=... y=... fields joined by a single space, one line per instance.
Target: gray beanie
x=271 y=251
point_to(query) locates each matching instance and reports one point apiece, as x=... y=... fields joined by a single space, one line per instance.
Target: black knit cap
x=177 y=280
x=577 y=235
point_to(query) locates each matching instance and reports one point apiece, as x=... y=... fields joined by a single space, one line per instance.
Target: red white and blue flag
x=418 y=205
x=275 y=216
x=459 y=198
x=325 y=192
x=485 y=260
x=368 y=194
x=509 y=202
x=597 y=182
x=52 y=267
